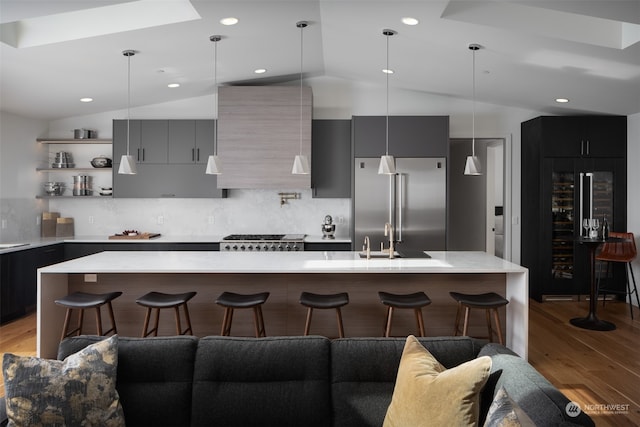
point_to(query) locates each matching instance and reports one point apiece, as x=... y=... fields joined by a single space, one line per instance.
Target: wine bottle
x=605 y=228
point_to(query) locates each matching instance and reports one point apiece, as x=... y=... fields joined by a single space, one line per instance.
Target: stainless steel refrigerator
x=413 y=201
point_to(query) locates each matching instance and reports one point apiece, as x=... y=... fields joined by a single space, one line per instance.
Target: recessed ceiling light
x=260 y=71
x=86 y=99
x=562 y=100
x=172 y=85
x=386 y=71
x=229 y=21
x=410 y=21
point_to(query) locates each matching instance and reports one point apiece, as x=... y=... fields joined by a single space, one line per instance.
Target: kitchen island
x=285 y=275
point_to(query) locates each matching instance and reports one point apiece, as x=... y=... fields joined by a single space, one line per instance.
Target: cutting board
x=141 y=236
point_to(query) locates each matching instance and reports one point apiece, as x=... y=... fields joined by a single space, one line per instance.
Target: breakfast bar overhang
x=285 y=276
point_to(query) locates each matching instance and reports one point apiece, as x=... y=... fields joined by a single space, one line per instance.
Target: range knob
x=227 y=247
x=258 y=247
x=288 y=247
x=242 y=248
x=265 y=247
x=250 y=247
x=295 y=247
x=280 y=247
x=235 y=247
x=273 y=247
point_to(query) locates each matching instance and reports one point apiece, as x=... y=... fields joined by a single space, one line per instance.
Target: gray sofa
x=297 y=381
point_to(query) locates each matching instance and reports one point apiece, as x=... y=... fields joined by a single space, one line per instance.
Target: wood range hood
x=259 y=134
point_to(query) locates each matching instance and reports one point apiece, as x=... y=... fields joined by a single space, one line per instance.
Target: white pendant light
x=472 y=165
x=387 y=162
x=127 y=162
x=213 y=162
x=301 y=162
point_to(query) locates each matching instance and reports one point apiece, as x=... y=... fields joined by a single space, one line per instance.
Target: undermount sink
x=11 y=245
x=400 y=254
x=379 y=254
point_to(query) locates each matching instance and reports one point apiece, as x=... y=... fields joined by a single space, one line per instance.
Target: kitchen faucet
x=366 y=247
x=388 y=231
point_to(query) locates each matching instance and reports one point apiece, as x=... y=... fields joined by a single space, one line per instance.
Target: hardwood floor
x=592 y=368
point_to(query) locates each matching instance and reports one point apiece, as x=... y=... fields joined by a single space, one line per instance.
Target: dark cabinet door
x=11 y=299
x=205 y=131
x=409 y=136
x=119 y=139
x=154 y=141
x=182 y=141
x=584 y=136
x=331 y=158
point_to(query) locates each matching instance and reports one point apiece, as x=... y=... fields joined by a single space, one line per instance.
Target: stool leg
x=155 y=328
x=340 y=326
x=465 y=326
x=145 y=327
x=226 y=321
x=260 y=330
x=635 y=289
x=113 y=329
x=188 y=320
x=420 y=321
x=67 y=318
x=387 y=331
x=307 y=325
x=178 y=325
x=498 y=326
x=458 y=313
x=80 y=322
x=489 y=328
x=98 y=321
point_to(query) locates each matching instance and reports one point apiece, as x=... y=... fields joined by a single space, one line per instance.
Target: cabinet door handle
x=582 y=147
x=197 y=154
x=138 y=154
x=193 y=154
x=143 y=154
x=588 y=147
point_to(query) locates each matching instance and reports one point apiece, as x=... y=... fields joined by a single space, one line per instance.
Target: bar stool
x=311 y=301
x=231 y=301
x=415 y=301
x=624 y=251
x=158 y=301
x=83 y=301
x=490 y=302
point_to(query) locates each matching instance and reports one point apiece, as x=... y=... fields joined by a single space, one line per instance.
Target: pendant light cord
x=215 y=97
x=301 y=25
x=128 y=98
x=473 y=117
x=387 y=90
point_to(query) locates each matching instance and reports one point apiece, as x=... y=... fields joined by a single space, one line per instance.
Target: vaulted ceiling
x=54 y=52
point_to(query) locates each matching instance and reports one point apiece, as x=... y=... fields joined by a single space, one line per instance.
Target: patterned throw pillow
x=504 y=412
x=78 y=391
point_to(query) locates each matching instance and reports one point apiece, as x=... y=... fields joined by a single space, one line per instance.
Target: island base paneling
x=363 y=316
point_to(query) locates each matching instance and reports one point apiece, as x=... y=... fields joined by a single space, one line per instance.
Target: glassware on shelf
x=594 y=224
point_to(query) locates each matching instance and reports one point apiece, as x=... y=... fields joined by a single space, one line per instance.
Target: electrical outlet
x=340 y=219
x=4 y=223
x=160 y=220
x=91 y=277
x=210 y=219
x=91 y=219
x=38 y=218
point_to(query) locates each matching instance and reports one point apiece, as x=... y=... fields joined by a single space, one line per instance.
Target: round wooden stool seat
x=414 y=301
x=157 y=301
x=231 y=301
x=327 y=301
x=82 y=301
x=490 y=302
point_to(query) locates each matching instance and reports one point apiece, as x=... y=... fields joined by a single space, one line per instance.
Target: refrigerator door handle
x=400 y=201
x=581 y=204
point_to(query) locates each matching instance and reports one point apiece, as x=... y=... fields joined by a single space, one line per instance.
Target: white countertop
x=280 y=262
x=36 y=243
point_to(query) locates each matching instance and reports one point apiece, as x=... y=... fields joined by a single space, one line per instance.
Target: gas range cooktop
x=262 y=242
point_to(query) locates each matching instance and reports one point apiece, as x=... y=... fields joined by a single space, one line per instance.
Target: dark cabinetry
x=77 y=250
x=19 y=278
x=171 y=156
x=583 y=136
x=409 y=136
x=331 y=158
x=328 y=246
x=558 y=192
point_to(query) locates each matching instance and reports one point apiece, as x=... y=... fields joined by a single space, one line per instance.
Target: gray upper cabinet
x=190 y=141
x=331 y=158
x=168 y=168
x=409 y=136
x=148 y=140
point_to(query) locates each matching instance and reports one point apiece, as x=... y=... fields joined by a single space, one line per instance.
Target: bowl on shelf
x=54 y=188
x=101 y=162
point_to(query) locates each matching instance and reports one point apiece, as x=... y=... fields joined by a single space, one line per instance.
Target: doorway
x=475 y=218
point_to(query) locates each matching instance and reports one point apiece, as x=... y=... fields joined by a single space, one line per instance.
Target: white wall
x=19 y=182
x=633 y=177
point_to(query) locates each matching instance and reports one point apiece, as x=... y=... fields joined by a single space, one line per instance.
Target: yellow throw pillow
x=426 y=393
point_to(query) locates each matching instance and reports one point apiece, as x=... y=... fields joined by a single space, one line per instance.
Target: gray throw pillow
x=77 y=391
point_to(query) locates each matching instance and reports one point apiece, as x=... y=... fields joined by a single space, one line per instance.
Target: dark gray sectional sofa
x=297 y=381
